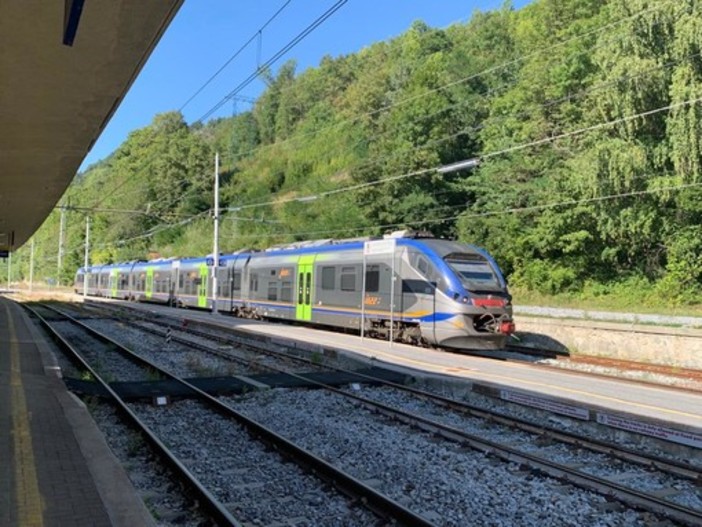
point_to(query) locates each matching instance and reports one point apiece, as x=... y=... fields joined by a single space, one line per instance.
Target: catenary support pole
x=392 y=296
x=62 y=228
x=31 y=267
x=363 y=294
x=86 y=275
x=215 y=250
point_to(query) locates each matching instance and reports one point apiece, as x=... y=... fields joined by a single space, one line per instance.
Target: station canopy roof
x=65 y=66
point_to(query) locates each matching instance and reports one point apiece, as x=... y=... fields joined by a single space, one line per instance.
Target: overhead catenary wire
x=502 y=212
x=164 y=227
x=468 y=78
x=194 y=186
x=280 y=53
x=401 y=176
x=511 y=210
x=432 y=170
x=465 y=205
x=493 y=119
x=257 y=34
x=435 y=142
x=155 y=230
x=465 y=79
x=487 y=155
x=301 y=36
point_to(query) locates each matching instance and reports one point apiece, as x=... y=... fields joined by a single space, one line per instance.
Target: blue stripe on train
x=436 y=317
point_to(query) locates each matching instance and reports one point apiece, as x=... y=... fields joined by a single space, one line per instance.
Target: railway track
x=448 y=422
x=339 y=490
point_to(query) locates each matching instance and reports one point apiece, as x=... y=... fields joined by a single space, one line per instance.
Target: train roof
x=420 y=239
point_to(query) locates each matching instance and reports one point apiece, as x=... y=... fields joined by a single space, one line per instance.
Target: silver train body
x=416 y=290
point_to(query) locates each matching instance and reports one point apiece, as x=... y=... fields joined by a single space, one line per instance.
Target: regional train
x=406 y=286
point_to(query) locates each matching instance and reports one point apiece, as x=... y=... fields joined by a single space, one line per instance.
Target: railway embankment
x=659 y=339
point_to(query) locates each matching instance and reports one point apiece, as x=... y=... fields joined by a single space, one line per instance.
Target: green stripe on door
x=149 y=287
x=114 y=279
x=305 y=282
x=202 y=288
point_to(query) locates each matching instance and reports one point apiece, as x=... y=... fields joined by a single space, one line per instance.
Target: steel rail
x=377 y=502
x=596 y=445
x=600 y=485
x=207 y=501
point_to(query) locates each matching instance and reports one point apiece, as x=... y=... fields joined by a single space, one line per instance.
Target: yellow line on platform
x=30 y=508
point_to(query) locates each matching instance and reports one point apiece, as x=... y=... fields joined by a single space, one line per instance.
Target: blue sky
x=206 y=33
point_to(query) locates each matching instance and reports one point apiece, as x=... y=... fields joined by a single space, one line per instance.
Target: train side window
x=348 y=279
x=328 y=278
x=237 y=281
x=422 y=266
x=272 y=291
x=372 y=278
x=418 y=286
x=286 y=289
x=253 y=282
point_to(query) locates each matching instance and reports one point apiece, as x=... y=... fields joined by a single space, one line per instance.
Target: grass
x=617 y=298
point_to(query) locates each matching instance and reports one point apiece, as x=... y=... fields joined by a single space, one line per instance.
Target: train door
x=149 y=288
x=420 y=294
x=202 y=286
x=176 y=283
x=131 y=277
x=114 y=282
x=233 y=289
x=303 y=310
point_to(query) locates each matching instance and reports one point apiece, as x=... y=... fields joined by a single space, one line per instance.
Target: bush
x=544 y=277
x=682 y=282
x=631 y=292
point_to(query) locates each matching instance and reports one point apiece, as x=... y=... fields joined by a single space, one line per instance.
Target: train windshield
x=475 y=271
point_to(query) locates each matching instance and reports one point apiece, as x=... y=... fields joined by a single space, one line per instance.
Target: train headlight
x=507 y=327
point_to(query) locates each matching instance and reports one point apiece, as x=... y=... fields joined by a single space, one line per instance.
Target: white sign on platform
x=661 y=432
x=543 y=403
x=379 y=247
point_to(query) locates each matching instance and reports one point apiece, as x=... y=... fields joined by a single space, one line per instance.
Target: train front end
x=474 y=307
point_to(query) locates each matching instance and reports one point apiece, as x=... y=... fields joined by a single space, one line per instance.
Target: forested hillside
x=585 y=116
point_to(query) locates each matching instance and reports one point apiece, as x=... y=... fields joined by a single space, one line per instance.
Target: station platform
x=55 y=467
